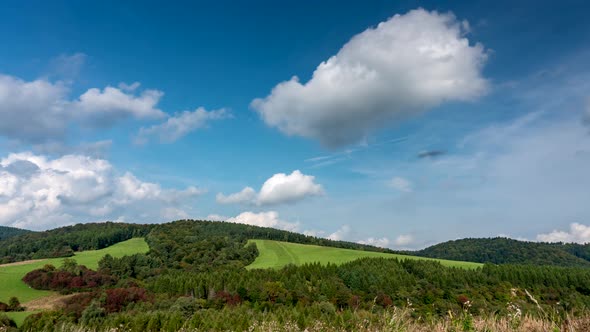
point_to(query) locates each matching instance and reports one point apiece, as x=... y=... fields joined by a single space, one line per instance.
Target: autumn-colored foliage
x=66 y=280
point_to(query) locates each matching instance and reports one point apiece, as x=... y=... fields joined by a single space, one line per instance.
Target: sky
x=399 y=124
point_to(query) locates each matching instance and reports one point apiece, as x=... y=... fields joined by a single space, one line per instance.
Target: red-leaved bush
x=49 y=278
x=119 y=298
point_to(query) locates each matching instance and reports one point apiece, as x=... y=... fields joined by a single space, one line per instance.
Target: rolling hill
x=509 y=251
x=11 y=274
x=233 y=272
x=8 y=232
x=276 y=254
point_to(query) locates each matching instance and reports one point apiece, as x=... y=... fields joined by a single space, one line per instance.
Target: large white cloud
x=264 y=219
x=40 y=110
x=38 y=192
x=179 y=125
x=278 y=189
x=577 y=233
x=405 y=65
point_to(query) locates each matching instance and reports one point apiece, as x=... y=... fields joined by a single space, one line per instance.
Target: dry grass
x=51 y=302
x=399 y=321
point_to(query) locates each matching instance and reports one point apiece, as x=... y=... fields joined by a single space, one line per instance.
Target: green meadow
x=19 y=317
x=276 y=254
x=10 y=276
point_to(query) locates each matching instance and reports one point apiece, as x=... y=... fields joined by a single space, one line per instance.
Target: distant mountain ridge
x=8 y=232
x=509 y=251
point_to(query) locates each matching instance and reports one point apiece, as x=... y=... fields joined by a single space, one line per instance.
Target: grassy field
x=10 y=276
x=275 y=254
x=20 y=316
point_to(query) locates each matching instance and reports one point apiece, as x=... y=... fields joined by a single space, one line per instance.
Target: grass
x=276 y=254
x=19 y=316
x=10 y=276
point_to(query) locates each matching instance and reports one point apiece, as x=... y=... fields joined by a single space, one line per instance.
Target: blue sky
x=409 y=123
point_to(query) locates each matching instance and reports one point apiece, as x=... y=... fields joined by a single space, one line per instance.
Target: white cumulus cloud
x=577 y=233
x=341 y=234
x=278 y=189
x=283 y=188
x=38 y=192
x=403 y=66
x=41 y=111
x=180 y=125
x=105 y=106
x=264 y=219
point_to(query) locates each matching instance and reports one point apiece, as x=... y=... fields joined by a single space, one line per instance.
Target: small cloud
x=283 y=188
x=403 y=240
x=340 y=234
x=104 y=107
x=278 y=189
x=264 y=219
x=247 y=195
x=129 y=87
x=578 y=233
x=180 y=125
x=401 y=184
x=382 y=242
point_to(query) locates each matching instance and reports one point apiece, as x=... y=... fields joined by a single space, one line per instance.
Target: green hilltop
x=276 y=254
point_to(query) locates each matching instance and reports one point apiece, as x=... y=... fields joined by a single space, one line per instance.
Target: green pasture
x=19 y=316
x=10 y=276
x=276 y=254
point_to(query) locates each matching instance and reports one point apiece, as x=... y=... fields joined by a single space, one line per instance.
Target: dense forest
x=194 y=277
x=508 y=251
x=8 y=232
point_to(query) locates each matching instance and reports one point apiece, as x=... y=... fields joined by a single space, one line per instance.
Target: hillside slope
x=8 y=232
x=65 y=241
x=276 y=254
x=509 y=251
x=11 y=275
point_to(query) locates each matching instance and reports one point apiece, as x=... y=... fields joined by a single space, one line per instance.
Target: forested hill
x=64 y=241
x=181 y=242
x=172 y=240
x=8 y=232
x=508 y=251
